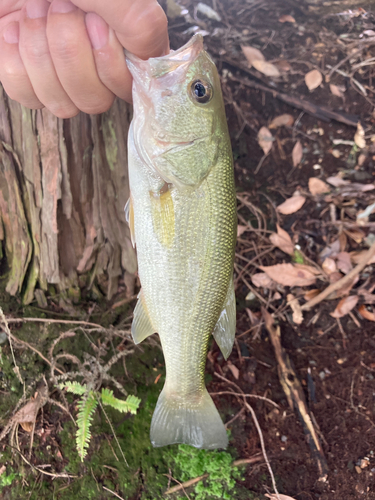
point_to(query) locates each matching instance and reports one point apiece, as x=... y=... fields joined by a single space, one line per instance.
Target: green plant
x=190 y=463
x=87 y=406
x=7 y=480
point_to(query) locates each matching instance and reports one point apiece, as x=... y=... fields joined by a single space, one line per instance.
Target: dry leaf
x=262 y=280
x=252 y=54
x=311 y=294
x=296 y=308
x=266 y=68
x=365 y=313
x=337 y=181
x=282 y=120
x=359 y=137
x=345 y=306
x=313 y=270
x=291 y=205
x=329 y=266
x=313 y=79
x=337 y=90
x=317 y=186
x=241 y=229
x=355 y=234
x=235 y=371
x=297 y=154
x=265 y=140
x=343 y=262
x=289 y=275
x=282 y=240
x=282 y=65
x=273 y=496
x=330 y=250
x=286 y=18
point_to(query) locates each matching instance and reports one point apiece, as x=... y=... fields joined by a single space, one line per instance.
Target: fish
x=182 y=218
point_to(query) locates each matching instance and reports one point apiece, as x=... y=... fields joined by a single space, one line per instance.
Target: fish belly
x=185 y=247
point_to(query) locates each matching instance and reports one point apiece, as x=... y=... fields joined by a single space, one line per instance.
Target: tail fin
x=198 y=423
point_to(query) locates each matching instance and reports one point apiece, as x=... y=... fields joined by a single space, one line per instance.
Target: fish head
x=179 y=117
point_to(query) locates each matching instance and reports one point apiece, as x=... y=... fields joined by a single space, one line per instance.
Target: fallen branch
x=341 y=283
x=191 y=482
x=294 y=394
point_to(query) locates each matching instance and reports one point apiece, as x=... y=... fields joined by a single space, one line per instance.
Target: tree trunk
x=63 y=188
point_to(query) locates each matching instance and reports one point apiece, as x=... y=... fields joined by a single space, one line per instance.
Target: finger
x=35 y=55
x=140 y=25
x=72 y=56
x=109 y=57
x=13 y=74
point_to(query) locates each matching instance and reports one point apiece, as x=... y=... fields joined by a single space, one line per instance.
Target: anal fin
x=141 y=326
x=225 y=328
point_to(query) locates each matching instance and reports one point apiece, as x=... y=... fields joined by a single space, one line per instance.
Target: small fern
x=74 y=387
x=86 y=409
x=87 y=406
x=130 y=405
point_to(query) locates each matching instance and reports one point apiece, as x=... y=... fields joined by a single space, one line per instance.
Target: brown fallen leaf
x=337 y=90
x=311 y=294
x=355 y=234
x=287 y=18
x=310 y=269
x=313 y=79
x=241 y=229
x=345 y=306
x=329 y=266
x=273 y=496
x=317 y=186
x=284 y=120
x=366 y=296
x=297 y=154
x=291 y=205
x=265 y=140
x=289 y=275
x=365 y=313
x=282 y=65
x=296 y=308
x=26 y=416
x=359 y=137
x=235 y=371
x=337 y=181
x=266 y=68
x=282 y=240
x=343 y=262
x=262 y=280
x=252 y=54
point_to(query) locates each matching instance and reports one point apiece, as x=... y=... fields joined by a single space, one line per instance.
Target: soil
x=333 y=359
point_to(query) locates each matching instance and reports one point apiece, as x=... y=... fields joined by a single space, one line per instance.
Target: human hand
x=69 y=56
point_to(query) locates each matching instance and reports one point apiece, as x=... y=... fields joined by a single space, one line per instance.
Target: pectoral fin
x=225 y=328
x=129 y=216
x=141 y=326
x=163 y=218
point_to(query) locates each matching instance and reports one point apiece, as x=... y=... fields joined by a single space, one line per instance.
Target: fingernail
x=62 y=6
x=36 y=8
x=11 y=33
x=97 y=30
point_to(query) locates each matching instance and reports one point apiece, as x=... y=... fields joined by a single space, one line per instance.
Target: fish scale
x=184 y=210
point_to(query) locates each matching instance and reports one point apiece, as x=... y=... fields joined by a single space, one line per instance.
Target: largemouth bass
x=182 y=216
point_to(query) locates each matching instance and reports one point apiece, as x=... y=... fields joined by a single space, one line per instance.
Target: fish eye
x=201 y=91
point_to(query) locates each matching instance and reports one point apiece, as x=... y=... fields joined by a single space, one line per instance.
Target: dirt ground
x=332 y=356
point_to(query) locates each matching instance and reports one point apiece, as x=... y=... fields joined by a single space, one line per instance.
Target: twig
x=259 y=432
x=346 y=279
x=255 y=396
x=113 y=493
x=236 y=463
x=124 y=301
x=46 y=320
x=10 y=337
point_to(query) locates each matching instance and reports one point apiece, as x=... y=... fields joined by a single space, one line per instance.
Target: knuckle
x=65 y=49
x=34 y=52
x=63 y=111
x=97 y=107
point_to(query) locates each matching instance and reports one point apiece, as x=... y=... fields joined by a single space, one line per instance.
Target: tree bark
x=63 y=188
